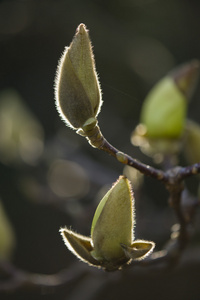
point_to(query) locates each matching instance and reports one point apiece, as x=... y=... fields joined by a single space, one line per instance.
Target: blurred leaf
x=7 y=237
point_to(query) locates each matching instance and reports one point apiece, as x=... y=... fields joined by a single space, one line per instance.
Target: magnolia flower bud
x=160 y=133
x=77 y=89
x=112 y=241
x=164 y=109
x=113 y=222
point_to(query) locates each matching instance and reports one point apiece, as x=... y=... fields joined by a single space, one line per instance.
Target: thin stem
x=128 y=160
x=97 y=140
x=175 y=203
x=17 y=279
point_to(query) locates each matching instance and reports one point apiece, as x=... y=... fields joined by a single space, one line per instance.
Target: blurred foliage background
x=51 y=177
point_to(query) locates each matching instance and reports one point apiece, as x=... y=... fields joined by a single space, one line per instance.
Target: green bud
x=112 y=241
x=77 y=89
x=164 y=109
x=113 y=222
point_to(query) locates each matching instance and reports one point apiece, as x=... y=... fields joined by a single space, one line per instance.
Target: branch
x=16 y=279
x=189 y=171
x=97 y=140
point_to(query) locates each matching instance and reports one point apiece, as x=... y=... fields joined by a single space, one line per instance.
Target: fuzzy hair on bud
x=77 y=88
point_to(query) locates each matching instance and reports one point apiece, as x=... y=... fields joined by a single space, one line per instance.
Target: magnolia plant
x=164 y=131
x=163 y=127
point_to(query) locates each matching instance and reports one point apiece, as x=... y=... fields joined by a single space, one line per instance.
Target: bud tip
x=81 y=28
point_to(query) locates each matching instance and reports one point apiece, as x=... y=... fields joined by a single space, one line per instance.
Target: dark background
x=136 y=42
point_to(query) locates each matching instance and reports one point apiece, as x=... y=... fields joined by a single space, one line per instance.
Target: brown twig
x=97 y=140
x=189 y=171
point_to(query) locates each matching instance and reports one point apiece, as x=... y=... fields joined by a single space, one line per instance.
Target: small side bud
x=77 y=89
x=89 y=124
x=121 y=157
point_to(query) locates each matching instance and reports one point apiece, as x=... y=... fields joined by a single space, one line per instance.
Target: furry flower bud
x=77 y=89
x=112 y=243
x=113 y=222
